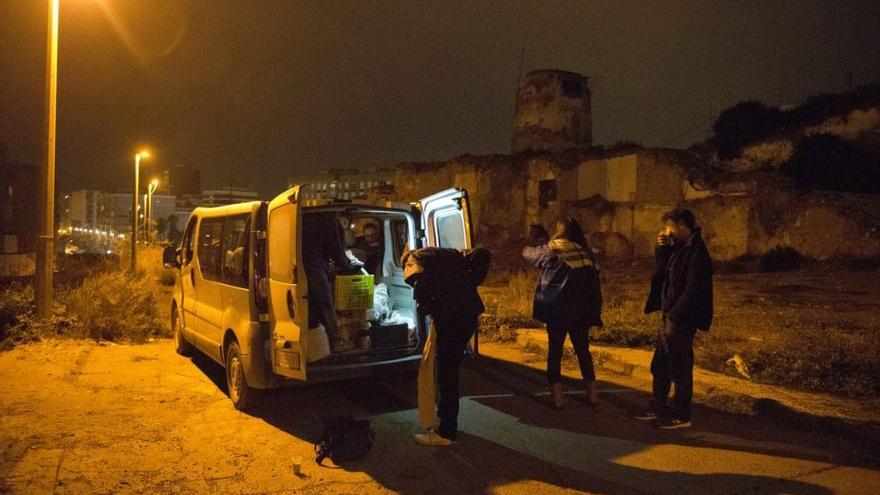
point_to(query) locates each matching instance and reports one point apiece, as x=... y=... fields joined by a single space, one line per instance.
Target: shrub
x=780 y=259
x=827 y=162
x=116 y=306
x=743 y=123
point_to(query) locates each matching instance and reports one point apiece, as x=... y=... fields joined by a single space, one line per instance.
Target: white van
x=241 y=295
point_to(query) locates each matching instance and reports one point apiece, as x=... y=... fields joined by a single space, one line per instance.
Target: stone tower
x=552 y=112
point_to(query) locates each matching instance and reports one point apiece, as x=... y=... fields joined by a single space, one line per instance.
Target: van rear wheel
x=243 y=396
x=182 y=347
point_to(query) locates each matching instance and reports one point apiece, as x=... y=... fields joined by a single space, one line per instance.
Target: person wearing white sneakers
x=445 y=287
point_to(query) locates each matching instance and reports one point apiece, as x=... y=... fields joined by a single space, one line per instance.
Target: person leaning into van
x=322 y=245
x=568 y=299
x=444 y=285
x=682 y=288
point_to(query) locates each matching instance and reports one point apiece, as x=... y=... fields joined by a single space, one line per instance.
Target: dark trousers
x=580 y=340
x=452 y=338
x=673 y=362
x=321 y=306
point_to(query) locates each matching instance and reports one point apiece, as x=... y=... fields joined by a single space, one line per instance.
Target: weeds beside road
x=95 y=299
x=814 y=328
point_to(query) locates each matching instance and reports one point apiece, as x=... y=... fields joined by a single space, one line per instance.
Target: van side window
x=450 y=230
x=187 y=242
x=210 y=250
x=235 y=250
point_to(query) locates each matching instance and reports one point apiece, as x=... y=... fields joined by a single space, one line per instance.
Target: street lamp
x=149 y=209
x=134 y=208
x=45 y=247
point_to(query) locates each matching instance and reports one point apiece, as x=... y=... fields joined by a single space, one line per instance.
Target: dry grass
x=814 y=328
x=100 y=300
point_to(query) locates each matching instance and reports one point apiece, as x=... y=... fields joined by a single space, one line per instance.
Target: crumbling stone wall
x=741 y=214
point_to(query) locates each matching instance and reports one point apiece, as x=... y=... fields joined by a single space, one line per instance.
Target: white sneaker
x=432 y=439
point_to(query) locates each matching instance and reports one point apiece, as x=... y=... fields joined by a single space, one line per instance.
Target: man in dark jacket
x=445 y=284
x=682 y=289
x=322 y=247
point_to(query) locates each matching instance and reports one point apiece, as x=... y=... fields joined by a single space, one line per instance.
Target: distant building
x=553 y=112
x=228 y=195
x=121 y=212
x=182 y=179
x=88 y=209
x=19 y=193
x=344 y=183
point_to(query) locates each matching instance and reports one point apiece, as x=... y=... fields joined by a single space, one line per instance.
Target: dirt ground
x=78 y=417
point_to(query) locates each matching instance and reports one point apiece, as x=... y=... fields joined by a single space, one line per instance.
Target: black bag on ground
x=345 y=439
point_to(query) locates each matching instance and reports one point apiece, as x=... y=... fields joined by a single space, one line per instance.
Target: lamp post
x=45 y=247
x=149 y=210
x=134 y=208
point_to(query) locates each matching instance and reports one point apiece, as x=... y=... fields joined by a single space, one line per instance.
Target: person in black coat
x=682 y=289
x=444 y=285
x=568 y=299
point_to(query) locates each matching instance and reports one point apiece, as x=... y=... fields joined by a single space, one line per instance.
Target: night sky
x=254 y=91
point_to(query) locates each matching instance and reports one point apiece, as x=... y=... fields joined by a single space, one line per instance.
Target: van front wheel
x=241 y=394
x=182 y=347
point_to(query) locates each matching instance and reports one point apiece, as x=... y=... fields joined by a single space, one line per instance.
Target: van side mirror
x=170 y=258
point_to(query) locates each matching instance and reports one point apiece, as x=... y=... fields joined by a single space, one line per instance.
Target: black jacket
x=682 y=284
x=445 y=281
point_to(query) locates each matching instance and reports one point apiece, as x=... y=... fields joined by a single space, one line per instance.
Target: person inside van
x=368 y=244
x=322 y=246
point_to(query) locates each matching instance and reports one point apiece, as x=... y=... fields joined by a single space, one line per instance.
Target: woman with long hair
x=568 y=299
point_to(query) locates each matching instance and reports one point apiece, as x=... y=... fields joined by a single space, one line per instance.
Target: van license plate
x=287 y=359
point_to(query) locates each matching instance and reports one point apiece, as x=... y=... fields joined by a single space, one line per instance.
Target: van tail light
x=261 y=281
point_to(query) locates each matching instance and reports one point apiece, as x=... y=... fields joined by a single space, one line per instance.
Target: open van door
x=288 y=307
x=446 y=219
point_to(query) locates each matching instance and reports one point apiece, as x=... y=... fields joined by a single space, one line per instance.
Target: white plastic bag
x=319 y=344
x=381 y=302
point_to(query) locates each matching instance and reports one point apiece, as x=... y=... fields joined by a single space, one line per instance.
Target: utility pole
x=43 y=291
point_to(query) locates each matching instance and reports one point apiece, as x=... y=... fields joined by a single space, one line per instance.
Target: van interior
x=390 y=327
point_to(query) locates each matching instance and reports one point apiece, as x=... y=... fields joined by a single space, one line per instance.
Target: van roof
x=221 y=211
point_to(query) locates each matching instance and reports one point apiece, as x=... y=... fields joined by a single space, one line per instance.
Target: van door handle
x=192 y=277
x=290 y=307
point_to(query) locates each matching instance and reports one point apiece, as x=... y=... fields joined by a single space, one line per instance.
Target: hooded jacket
x=569 y=292
x=445 y=281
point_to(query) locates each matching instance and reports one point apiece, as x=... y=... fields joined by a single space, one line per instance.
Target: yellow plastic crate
x=353 y=292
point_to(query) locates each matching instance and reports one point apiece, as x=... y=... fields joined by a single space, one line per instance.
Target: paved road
x=82 y=418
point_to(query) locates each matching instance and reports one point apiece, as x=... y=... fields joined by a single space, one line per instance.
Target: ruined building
x=619 y=195
x=552 y=112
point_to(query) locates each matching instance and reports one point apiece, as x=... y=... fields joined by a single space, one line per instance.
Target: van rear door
x=288 y=307
x=446 y=219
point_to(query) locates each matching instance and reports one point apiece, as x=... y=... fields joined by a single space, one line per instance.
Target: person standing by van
x=568 y=299
x=682 y=288
x=445 y=284
x=322 y=245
